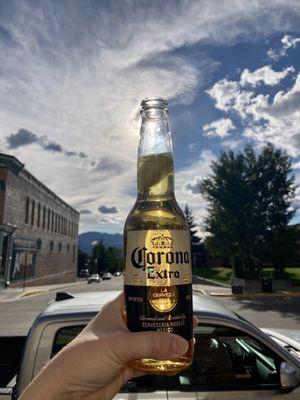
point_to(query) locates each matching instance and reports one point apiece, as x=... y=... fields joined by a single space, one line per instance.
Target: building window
x=74 y=252
x=48 y=222
x=52 y=221
x=44 y=217
x=32 y=212
x=51 y=245
x=27 y=210
x=39 y=244
x=68 y=247
x=55 y=225
x=59 y=246
x=23 y=266
x=39 y=215
x=59 y=224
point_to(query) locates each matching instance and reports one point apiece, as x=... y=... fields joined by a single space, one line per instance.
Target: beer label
x=158 y=281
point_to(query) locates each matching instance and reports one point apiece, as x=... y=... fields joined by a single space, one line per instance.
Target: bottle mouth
x=154 y=102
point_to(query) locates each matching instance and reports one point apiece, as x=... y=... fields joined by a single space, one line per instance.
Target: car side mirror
x=289 y=376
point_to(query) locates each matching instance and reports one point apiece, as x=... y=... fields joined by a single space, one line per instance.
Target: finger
x=158 y=345
x=109 y=319
x=195 y=321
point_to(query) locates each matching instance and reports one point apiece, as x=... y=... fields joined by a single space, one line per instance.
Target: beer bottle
x=157 y=259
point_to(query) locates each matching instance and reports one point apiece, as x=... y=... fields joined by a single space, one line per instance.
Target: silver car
x=94 y=278
x=233 y=358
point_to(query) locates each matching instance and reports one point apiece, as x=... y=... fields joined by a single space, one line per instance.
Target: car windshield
x=227 y=357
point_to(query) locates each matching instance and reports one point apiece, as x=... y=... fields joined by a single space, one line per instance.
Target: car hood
x=287 y=338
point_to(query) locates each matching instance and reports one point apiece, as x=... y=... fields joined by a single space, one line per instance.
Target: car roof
x=94 y=301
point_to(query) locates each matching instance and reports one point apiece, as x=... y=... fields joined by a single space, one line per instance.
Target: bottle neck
x=155 y=175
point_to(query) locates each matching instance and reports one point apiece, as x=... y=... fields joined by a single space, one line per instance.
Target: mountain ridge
x=108 y=239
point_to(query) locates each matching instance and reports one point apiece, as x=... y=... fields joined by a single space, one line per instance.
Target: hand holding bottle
x=94 y=365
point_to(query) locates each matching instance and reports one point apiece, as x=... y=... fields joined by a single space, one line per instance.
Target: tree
x=106 y=259
x=82 y=260
x=190 y=220
x=249 y=206
x=198 y=249
x=114 y=259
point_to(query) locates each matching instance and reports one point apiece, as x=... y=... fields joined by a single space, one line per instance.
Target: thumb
x=158 y=345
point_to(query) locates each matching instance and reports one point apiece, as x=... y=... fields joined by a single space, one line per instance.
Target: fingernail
x=179 y=346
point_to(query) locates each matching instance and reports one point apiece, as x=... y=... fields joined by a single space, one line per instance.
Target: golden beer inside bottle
x=156 y=210
x=165 y=367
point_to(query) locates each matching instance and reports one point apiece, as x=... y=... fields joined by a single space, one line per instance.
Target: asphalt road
x=17 y=316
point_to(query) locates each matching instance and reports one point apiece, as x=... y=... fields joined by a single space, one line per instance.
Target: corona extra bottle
x=157 y=259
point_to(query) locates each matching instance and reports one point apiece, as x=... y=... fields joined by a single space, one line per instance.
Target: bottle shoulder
x=147 y=214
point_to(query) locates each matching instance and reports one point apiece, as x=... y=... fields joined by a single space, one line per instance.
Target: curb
x=37 y=292
x=249 y=295
x=266 y=295
x=32 y=293
x=202 y=291
x=211 y=282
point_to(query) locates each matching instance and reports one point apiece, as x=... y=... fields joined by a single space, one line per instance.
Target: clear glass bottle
x=157 y=257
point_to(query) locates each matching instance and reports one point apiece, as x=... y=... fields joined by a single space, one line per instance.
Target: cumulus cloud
x=53 y=146
x=107 y=164
x=85 y=211
x=287 y=42
x=186 y=189
x=193 y=187
x=108 y=210
x=264 y=118
x=85 y=90
x=22 y=138
x=107 y=220
x=264 y=75
x=219 y=128
x=296 y=165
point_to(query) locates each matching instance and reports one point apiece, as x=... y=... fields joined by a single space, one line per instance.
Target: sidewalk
x=211 y=290
x=12 y=293
x=226 y=292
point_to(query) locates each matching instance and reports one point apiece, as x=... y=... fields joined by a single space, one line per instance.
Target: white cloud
x=224 y=93
x=263 y=118
x=264 y=75
x=296 y=166
x=77 y=71
x=288 y=42
x=186 y=182
x=220 y=128
x=230 y=96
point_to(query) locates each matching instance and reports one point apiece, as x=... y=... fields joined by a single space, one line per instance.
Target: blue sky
x=73 y=74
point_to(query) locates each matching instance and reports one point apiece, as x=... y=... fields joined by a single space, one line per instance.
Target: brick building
x=38 y=230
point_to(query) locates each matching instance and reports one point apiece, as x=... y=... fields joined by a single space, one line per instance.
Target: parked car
x=84 y=273
x=106 y=276
x=118 y=273
x=94 y=278
x=233 y=358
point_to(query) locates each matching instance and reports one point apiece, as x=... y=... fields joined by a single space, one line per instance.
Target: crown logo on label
x=162 y=242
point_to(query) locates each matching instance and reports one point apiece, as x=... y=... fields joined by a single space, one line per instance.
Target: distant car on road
x=94 y=278
x=84 y=273
x=118 y=273
x=106 y=276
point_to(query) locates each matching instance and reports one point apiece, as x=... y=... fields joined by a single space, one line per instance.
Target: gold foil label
x=163 y=298
x=158 y=258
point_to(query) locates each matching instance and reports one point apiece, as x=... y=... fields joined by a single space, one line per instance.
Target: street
x=17 y=316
